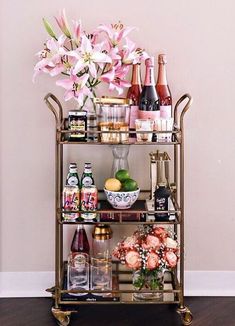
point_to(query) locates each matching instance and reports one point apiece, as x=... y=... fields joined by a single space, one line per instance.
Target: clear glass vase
x=146 y=281
x=120 y=158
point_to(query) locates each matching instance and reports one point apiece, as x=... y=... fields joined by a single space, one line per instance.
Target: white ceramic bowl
x=121 y=199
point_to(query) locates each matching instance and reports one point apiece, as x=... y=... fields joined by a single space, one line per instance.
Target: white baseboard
x=197 y=283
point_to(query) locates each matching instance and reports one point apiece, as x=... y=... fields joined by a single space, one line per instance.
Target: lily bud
x=49 y=28
x=63 y=23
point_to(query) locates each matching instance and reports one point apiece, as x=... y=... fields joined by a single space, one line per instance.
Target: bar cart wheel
x=186 y=315
x=62 y=317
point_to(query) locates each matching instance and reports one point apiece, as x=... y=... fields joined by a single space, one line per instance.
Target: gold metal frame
x=59 y=311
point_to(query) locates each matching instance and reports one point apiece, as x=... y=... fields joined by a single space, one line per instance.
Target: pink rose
x=171 y=243
x=133 y=259
x=129 y=242
x=160 y=232
x=152 y=261
x=152 y=242
x=171 y=258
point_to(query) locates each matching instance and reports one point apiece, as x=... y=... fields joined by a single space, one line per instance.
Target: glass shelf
x=134 y=215
x=122 y=290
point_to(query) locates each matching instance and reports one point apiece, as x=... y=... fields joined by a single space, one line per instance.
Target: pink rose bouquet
x=87 y=59
x=150 y=250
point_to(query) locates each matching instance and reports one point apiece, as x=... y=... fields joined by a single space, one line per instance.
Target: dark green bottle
x=87 y=176
x=72 y=177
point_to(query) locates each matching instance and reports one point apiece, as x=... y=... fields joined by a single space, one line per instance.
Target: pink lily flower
x=115 y=32
x=77 y=31
x=131 y=55
x=63 y=23
x=75 y=87
x=53 y=58
x=87 y=55
x=115 y=78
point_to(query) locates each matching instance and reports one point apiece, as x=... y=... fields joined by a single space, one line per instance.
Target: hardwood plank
x=207 y=311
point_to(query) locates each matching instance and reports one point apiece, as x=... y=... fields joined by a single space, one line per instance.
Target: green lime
x=122 y=175
x=129 y=185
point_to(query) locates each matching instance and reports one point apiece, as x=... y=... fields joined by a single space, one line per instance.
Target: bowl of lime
x=122 y=191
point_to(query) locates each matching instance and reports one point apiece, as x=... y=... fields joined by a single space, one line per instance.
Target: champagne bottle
x=72 y=177
x=87 y=179
x=163 y=90
x=134 y=94
x=149 y=106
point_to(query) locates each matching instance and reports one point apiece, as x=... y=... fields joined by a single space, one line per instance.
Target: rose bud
x=133 y=259
x=170 y=243
x=171 y=259
x=152 y=261
x=160 y=232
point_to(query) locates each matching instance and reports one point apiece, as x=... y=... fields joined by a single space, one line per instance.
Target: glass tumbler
x=113 y=116
x=144 y=125
x=101 y=276
x=78 y=274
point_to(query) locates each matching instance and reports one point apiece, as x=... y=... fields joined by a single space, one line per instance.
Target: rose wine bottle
x=80 y=244
x=134 y=94
x=163 y=90
x=149 y=106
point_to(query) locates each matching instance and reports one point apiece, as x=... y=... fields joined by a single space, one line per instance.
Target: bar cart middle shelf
x=122 y=293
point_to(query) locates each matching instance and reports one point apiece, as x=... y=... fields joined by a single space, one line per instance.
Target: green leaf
x=49 y=28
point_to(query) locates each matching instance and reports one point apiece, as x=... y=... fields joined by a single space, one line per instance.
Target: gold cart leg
x=186 y=315
x=62 y=317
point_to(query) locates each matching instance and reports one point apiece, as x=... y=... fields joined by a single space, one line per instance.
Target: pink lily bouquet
x=86 y=60
x=150 y=250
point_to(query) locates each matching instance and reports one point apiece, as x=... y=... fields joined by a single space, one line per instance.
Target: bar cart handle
x=58 y=114
x=185 y=109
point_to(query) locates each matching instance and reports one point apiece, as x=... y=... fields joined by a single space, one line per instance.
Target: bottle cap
x=102 y=232
x=149 y=62
x=162 y=58
x=162 y=184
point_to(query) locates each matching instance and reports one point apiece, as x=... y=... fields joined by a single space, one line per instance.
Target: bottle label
x=153 y=115
x=161 y=204
x=72 y=181
x=133 y=115
x=79 y=261
x=87 y=181
x=165 y=111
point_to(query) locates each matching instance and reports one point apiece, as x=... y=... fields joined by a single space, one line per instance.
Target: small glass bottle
x=78 y=262
x=161 y=196
x=80 y=243
x=87 y=179
x=72 y=177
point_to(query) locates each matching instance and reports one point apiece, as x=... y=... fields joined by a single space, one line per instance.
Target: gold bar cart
x=173 y=291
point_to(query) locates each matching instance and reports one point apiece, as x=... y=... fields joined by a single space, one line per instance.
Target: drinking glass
x=144 y=125
x=101 y=276
x=113 y=117
x=78 y=274
x=164 y=125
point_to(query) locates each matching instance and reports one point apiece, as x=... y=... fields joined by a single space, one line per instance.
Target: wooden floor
x=36 y=312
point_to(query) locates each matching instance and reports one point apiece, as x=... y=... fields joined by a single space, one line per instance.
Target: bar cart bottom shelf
x=121 y=293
